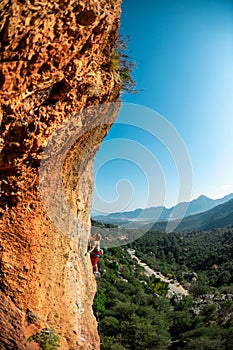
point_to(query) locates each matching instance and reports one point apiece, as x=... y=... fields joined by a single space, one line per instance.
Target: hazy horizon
x=193 y=199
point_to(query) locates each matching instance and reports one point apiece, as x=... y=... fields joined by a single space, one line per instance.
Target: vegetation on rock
x=123 y=65
x=47 y=339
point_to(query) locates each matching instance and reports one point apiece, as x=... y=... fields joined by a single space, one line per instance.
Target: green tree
x=160 y=288
x=99 y=301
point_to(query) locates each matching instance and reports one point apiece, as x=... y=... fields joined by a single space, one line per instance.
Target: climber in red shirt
x=94 y=250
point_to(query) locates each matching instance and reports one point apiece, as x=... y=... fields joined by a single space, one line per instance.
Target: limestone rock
x=55 y=62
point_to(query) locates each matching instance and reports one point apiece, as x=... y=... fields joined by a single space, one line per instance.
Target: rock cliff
x=55 y=65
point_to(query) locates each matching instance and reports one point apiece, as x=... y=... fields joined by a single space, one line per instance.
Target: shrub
x=123 y=65
x=47 y=339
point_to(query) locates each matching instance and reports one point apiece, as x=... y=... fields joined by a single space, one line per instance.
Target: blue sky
x=184 y=57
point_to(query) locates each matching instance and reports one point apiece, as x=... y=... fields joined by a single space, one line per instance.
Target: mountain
x=217 y=217
x=160 y=213
x=204 y=203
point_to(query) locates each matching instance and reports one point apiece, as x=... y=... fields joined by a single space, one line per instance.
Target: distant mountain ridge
x=218 y=217
x=160 y=213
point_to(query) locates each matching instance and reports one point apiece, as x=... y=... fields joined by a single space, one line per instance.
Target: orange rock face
x=55 y=63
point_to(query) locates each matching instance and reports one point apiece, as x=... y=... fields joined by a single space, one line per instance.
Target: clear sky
x=184 y=57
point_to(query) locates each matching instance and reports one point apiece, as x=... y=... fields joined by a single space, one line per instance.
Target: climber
x=95 y=251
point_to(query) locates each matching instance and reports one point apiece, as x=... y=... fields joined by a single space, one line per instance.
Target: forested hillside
x=209 y=254
x=133 y=311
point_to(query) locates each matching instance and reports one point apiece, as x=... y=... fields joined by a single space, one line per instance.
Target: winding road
x=174 y=288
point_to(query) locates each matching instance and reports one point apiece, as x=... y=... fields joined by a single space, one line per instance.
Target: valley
x=169 y=291
x=175 y=289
